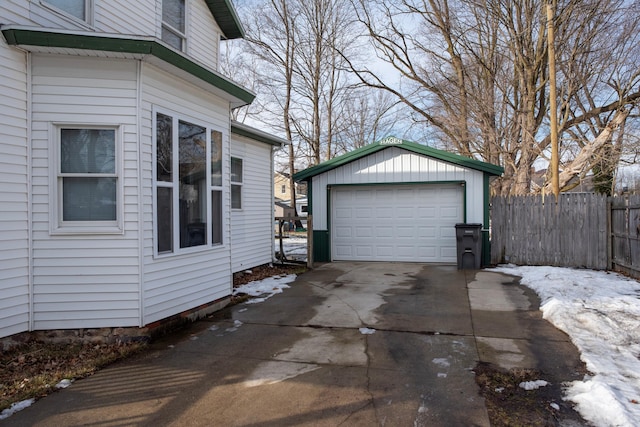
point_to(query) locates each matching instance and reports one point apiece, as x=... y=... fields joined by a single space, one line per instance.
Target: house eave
x=256 y=134
x=225 y=15
x=144 y=48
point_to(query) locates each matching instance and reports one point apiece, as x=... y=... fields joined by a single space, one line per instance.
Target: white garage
x=395 y=200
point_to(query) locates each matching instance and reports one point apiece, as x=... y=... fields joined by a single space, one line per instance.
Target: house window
x=87 y=178
x=174 y=23
x=236 y=183
x=283 y=189
x=188 y=186
x=216 y=187
x=77 y=9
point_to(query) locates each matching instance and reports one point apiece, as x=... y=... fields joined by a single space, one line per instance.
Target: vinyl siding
x=140 y=17
x=84 y=280
x=14 y=12
x=252 y=226
x=178 y=282
x=203 y=35
x=113 y=16
x=395 y=165
x=128 y=17
x=14 y=227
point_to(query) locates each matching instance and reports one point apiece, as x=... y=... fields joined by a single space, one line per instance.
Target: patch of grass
x=33 y=369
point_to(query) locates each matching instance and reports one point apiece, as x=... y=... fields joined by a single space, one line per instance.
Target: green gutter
x=225 y=15
x=256 y=134
x=140 y=46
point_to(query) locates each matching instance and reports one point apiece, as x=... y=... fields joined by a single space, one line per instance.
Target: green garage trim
x=321 y=247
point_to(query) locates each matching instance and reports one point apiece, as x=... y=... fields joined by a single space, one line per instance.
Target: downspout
x=486 y=239
x=29 y=147
x=141 y=301
x=273 y=214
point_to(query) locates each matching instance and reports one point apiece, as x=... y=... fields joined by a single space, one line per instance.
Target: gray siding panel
x=14 y=205
x=252 y=227
x=84 y=91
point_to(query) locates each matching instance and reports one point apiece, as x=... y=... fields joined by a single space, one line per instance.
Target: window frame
x=89 y=8
x=237 y=184
x=182 y=35
x=56 y=202
x=174 y=185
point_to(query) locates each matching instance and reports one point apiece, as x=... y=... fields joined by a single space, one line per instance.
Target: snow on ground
x=600 y=311
x=295 y=247
x=15 y=407
x=265 y=288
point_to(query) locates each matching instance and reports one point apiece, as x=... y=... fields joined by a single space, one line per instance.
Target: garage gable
x=423 y=150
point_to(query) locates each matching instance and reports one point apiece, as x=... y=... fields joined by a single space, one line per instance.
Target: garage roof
x=405 y=145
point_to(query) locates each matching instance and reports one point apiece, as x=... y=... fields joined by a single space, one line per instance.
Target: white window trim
x=57 y=225
x=177 y=32
x=177 y=250
x=89 y=13
x=238 y=184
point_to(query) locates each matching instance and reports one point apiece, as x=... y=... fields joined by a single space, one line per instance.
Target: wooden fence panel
x=532 y=230
x=625 y=235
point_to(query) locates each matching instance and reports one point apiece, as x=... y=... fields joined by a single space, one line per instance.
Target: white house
x=395 y=200
x=128 y=196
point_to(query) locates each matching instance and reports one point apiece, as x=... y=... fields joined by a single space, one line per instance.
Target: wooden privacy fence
x=532 y=230
x=625 y=235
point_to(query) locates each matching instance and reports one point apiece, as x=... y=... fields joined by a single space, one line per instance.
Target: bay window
x=188 y=184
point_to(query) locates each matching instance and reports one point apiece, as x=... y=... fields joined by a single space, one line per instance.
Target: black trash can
x=469 y=246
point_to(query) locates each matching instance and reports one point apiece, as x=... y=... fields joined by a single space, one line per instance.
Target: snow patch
x=443 y=362
x=265 y=288
x=600 y=311
x=64 y=383
x=16 y=407
x=533 y=385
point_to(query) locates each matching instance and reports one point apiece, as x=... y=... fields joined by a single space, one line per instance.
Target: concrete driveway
x=357 y=344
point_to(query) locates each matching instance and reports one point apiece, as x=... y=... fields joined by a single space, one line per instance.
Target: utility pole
x=553 y=106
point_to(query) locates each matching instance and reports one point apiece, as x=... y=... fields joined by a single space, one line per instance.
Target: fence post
x=609 y=234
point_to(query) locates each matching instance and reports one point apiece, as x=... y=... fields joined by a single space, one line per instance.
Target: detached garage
x=395 y=200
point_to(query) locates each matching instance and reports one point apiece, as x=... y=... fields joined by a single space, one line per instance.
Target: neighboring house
x=395 y=200
x=578 y=184
x=282 y=186
x=282 y=209
x=127 y=194
x=282 y=192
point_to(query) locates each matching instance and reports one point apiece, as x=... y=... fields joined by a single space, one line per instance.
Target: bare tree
x=476 y=72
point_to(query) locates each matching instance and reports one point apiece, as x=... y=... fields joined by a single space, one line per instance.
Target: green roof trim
x=225 y=15
x=256 y=134
x=130 y=44
x=367 y=150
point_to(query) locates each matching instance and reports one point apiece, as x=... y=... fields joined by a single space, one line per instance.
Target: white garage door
x=396 y=223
